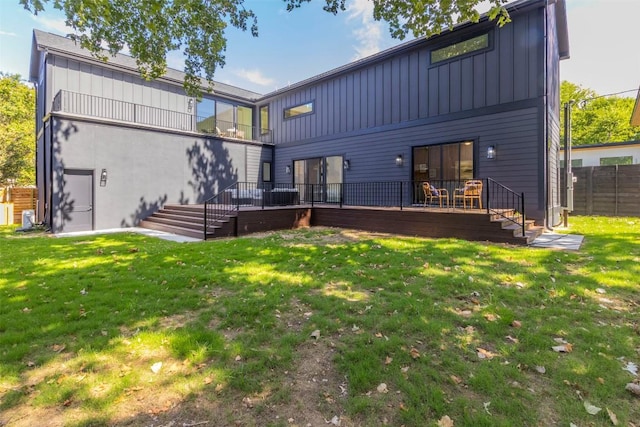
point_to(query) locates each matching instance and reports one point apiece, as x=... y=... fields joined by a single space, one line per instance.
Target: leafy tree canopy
x=17 y=127
x=152 y=28
x=598 y=119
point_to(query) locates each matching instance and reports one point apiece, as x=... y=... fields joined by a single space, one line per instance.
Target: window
x=446 y=162
x=264 y=119
x=461 y=48
x=266 y=171
x=612 y=161
x=224 y=119
x=298 y=110
x=206 y=116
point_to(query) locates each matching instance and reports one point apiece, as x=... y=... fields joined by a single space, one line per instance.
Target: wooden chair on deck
x=431 y=192
x=472 y=191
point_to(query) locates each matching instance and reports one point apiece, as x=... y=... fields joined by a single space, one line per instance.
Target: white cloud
x=369 y=32
x=56 y=25
x=6 y=33
x=254 y=76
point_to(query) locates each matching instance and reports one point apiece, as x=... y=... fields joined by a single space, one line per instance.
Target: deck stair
x=186 y=220
x=509 y=221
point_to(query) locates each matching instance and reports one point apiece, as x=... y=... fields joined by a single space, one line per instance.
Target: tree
x=597 y=119
x=152 y=28
x=17 y=128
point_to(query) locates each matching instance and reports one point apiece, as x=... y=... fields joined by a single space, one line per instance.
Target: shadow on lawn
x=116 y=289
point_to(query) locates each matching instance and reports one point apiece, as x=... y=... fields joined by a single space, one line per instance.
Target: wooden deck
x=470 y=224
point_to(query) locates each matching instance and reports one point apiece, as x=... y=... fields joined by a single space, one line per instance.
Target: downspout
x=545 y=121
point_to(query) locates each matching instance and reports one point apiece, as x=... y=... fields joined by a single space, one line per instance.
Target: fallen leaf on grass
x=315 y=334
x=388 y=360
x=58 y=347
x=486 y=407
x=238 y=358
x=541 y=369
x=414 y=353
x=382 y=388
x=633 y=388
x=490 y=317
x=512 y=339
x=565 y=348
x=591 y=409
x=631 y=368
x=516 y=324
x=612 y=417
x=334 y=421
x=155 y=368
x=445 y=422
x=484 y=354
x=455 y=379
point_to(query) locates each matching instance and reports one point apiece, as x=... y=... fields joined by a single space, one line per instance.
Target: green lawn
x=131 y=330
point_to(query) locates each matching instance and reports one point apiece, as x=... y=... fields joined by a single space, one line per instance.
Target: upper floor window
x=264 y=119
x=461 y=48
x=298 y=110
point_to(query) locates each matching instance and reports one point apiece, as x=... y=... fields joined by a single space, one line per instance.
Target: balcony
x=128 y=112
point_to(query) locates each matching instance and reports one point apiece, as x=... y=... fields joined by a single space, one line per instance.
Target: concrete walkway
x=552 y=240
x=152 y=233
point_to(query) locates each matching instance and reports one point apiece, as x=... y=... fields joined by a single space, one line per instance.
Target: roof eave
x=562 y=28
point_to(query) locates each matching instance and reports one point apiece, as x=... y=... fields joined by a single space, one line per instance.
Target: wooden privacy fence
x=13 y=201
x=607 y=190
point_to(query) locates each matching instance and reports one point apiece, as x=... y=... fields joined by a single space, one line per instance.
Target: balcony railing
x=111 y=109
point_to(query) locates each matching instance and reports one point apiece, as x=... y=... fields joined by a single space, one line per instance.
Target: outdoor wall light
x=346 y=164
x=190 y=105
x=491 y=152
x=399 y=160
x=103 y=178
x=287 y=169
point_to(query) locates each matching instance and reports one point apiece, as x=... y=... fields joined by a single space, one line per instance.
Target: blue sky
x=308 y=41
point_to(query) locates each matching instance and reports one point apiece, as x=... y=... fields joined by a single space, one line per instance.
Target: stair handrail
x=216 y=210
x=501 y=199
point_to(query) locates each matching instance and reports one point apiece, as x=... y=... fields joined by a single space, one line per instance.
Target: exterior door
x=78 y=208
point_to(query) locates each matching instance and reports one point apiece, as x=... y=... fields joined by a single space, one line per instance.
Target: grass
x=83 y=321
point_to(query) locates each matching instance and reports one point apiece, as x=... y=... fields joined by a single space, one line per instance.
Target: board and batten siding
x=372 y=156
x=82 y=77
x=406 y=87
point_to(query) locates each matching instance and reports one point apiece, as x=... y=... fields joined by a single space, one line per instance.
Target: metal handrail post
x=487 y=198
x=401 y=195
x=523 y=216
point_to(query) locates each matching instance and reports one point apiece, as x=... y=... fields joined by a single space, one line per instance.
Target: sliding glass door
x=318 y=179
x=443 y=165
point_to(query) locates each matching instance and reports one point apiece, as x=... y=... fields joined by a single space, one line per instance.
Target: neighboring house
x=113 y=148
x=613 y=153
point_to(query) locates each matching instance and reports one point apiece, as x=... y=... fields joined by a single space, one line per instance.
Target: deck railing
x=493 y=197
x=112 y=109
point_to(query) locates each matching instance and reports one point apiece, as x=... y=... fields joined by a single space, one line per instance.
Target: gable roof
x=64 y=46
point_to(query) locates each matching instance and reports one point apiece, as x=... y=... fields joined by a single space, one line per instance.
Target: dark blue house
x=475 y=102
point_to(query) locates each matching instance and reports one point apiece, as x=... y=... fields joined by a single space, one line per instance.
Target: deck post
x=487 y=198
x=401 y=187
x=341 y=194
x=524 y=218
x=205 y=221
